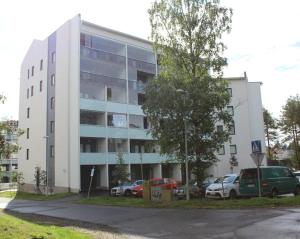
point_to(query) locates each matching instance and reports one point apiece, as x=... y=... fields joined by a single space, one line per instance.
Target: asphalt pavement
x=281 y=223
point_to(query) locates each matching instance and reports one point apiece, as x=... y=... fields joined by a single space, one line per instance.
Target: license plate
x=251 y=185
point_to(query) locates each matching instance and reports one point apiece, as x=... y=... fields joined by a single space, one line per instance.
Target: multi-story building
x=81 y=93
x=8 y=160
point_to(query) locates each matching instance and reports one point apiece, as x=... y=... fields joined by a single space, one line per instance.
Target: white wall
x=37 y=104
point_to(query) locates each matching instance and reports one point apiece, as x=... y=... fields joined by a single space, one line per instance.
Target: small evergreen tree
x=120 y=173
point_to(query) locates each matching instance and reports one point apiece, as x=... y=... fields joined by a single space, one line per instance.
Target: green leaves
x=187 y=37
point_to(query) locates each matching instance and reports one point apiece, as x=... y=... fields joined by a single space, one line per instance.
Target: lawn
x=33 y=196
x=12 y=227
x=263 y=202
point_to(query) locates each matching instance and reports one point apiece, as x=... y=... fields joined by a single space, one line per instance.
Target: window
x=221 y=150
x=229 y=91
x=41 y=86
x=52 y=125
x=41 y=65
x=32 y=71
x=27 y=154
x=27 y=133
x=51 y=150
x=52 y=103
x=32 y=88
x=231 y=129
x=53 y=57
x=230 y=110
x=117 y=120
x=28 y=113
x=53 y=79
x=28 y=73
x=117 y=145
x=219 y=128
x=27 y=93
x=233 y=149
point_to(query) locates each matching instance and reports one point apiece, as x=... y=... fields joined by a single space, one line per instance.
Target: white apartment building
x=81 y=92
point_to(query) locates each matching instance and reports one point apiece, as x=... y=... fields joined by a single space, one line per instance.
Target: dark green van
x=274 y=180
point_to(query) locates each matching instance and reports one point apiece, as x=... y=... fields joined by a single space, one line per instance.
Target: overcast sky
x=264 y=42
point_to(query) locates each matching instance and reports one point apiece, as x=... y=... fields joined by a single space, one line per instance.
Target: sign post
x=257 y=157
x=92 y=174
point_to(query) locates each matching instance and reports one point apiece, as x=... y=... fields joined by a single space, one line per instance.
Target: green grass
x=12 y=227
x=197 y=203
x=33 y=196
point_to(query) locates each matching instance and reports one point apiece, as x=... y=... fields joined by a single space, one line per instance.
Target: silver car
x=124 y=189
x=224 y=187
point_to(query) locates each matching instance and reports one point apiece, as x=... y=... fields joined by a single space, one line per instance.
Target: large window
x=93 y=86
x=117 y=120
x=102 y=44
x=92 y=145
x=92 y=118
x=103 y=63
x=138 y=122
x=143 y=146
x=117 y=145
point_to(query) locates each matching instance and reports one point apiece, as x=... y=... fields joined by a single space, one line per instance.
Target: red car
x=165 y=183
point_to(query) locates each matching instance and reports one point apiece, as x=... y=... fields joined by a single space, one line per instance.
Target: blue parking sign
x=256 y=146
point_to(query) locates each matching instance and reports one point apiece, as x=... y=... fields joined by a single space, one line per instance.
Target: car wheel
x=297 y=191
x=232 y=194
x=274 y=193
x=127 y=193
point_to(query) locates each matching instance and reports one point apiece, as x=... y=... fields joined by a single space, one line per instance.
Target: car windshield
x=225 y=179
x=229 y=179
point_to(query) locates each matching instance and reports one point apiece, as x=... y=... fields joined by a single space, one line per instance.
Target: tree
x=290 y=124
x=187 y=39
x=120 y=173
x=271 y=127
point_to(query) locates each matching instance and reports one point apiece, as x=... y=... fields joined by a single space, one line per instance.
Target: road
x=283 y=223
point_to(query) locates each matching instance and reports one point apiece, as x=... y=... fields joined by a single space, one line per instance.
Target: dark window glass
x=28 y=113
x=32 y=71
x=109 y=94
x=41 y=65
x=52 y=125
x=51 y=150
x=221 y=150
x=231 y=129
x=219 y=128
x=53 y=79
x=41 y=86
x=230 y=110
x=27 y=154
x=52 y=103
x=229 y=91
x=32 y=90
x=53 y=57
x=27 y=93
x=233 y=149
x=27 y=133
x=28 y=73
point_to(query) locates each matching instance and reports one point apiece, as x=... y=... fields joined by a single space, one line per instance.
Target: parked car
x=275 y=180
x=297 y=174
x=224 y=187
x=125 y=188
x=194 y=190
x=165 y=183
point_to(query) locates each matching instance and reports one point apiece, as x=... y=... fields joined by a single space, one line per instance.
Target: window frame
x=233 y=146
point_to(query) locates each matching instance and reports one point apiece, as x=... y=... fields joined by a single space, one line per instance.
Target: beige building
x=81 y=93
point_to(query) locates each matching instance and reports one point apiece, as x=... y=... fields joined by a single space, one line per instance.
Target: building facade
x=81 y=93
